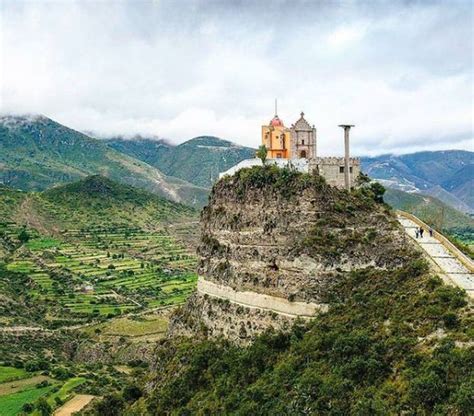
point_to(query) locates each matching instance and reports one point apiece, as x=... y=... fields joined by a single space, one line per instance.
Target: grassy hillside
x=433 y=212
x=88 y=273
x=91 y=249
x=37 y=153
x=447 y=175
x=199 y=160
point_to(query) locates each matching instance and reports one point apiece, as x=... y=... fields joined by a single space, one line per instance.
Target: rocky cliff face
x=287 y=236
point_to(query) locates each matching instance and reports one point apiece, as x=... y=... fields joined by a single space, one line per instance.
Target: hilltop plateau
x=287 y=235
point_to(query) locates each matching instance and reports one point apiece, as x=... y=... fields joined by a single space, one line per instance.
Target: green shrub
x=43 y=408
x=378 y=191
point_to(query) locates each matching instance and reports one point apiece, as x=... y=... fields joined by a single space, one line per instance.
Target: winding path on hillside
x=452 y=265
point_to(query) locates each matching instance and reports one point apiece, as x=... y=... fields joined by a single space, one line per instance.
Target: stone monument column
x=314 y=143
x=347 y=178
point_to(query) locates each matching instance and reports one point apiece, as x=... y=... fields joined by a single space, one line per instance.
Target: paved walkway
x=260 y=301
x=451 y=268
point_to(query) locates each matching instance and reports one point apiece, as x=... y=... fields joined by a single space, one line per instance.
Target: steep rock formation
x=274 y=241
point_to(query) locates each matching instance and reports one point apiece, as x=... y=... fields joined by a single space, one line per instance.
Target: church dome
x=276 y=122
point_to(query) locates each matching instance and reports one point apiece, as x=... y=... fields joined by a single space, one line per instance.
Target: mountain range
x=446 y=175
x=199 y=160
x=37 y=153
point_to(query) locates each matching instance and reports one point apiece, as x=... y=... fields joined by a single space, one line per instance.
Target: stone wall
x=332 y=169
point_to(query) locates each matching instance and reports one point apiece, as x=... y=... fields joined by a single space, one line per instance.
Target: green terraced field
x=29 y=391
x=102 y=271
x=11 y=404
x=11 y=373
x=66 y=389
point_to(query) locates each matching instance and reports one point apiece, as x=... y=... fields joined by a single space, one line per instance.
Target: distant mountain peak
x=97 y=185
x=37 y=152
x=17 y=120
x=135 y=138
x=209 y=141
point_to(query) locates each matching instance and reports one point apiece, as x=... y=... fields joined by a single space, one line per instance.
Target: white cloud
x=402 y=72
x=344 y=37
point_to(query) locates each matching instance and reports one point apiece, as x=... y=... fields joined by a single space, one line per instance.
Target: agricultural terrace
x=23 y=393
x=100 y=271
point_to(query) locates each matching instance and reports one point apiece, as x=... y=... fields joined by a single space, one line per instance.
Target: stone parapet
x=333 y=160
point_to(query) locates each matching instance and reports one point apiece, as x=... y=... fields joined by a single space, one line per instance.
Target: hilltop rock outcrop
x=274 y=242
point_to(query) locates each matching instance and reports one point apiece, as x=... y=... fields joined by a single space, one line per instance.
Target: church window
x=303 y=154
x=341 y=169
x=282 y=141
x=302 y=142
x=350 y=169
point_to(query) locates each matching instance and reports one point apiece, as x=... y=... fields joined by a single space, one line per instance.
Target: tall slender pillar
x=315 y=143
x=347 y=178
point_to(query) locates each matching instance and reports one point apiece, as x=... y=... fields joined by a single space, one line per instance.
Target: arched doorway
x=303 y=154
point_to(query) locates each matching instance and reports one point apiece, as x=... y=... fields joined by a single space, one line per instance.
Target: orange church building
x=296 y=142
x=276 y=138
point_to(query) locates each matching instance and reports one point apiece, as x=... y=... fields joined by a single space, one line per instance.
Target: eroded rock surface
x=286 y=235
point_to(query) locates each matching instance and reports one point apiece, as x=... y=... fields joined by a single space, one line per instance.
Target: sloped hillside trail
x=27 y=214
x=448 y=261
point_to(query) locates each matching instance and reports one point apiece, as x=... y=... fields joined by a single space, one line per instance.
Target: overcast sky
x=401 y=71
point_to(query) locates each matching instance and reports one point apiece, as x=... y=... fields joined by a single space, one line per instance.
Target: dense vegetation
x=37 y=153
x=393 y=342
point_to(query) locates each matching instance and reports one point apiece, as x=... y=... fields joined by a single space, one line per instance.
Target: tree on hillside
x=43 y=407
x=110 y=405
x=262 y=153
x=23 y=236
x=378 y=191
